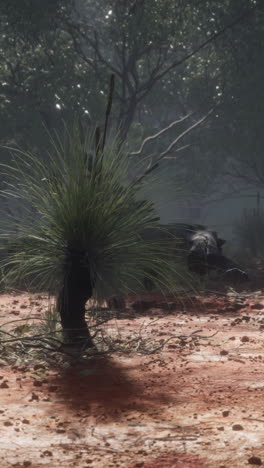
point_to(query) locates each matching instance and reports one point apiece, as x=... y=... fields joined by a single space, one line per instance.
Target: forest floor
x=197 y=402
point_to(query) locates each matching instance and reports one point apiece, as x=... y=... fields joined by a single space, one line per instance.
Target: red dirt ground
x=197 y=403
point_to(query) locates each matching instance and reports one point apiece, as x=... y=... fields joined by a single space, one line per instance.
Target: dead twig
x=254 y=419
x=180 y=437
x=230 y=358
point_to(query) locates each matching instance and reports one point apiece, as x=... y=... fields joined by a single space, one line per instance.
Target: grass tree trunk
x=75 y=292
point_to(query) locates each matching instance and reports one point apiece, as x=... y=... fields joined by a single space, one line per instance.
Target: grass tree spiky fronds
x=81 y=199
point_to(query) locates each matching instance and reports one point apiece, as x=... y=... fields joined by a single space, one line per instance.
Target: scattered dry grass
x=40 y=339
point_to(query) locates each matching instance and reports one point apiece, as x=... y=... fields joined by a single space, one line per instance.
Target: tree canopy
x=169 y=59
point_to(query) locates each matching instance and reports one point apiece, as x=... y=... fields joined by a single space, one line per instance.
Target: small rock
x=225 y=413
x=60 y=431
x=246 y=318
x=34 y=396
x=223 y=352
x=27 y=463
x=47 y=453
x=257 y=306
x=52 y=388
x=235 y=307
x=4 y=385
x=37 y=383
x=255 y=461
x=237 y=427
x=139 y=465
x=244 y=339
x=25 y=421
x=8 y=423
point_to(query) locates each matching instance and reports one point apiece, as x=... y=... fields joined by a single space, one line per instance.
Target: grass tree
x=79 y=229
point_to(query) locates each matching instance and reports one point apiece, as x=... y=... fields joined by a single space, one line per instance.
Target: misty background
x=170 y=59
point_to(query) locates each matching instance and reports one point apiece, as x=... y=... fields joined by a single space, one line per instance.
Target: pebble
x=255 y=461
x=237 y=427
x=244 y=339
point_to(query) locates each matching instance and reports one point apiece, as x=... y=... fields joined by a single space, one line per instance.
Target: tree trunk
x=76 y=291
x=126 y=118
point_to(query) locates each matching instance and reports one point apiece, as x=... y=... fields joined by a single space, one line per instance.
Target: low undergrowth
x=35 y=339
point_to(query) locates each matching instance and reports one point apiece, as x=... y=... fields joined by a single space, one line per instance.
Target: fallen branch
x=254 y=419
x=181 y=338
x=43 y=319
x=230 y=358
x=181 y=437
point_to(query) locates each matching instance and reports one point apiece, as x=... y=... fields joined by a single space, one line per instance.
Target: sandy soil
x=197 y=403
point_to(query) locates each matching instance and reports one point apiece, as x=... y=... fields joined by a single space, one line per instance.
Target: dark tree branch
x=133 y=92
x=108 y=107
x=155 y=76
x=205 y=43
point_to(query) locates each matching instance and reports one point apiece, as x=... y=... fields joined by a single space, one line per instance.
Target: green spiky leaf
x=63 y=201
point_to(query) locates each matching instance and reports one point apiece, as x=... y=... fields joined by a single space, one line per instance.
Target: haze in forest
x=170 y=60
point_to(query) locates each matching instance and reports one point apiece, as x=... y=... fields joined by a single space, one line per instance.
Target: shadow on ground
x=104 y=388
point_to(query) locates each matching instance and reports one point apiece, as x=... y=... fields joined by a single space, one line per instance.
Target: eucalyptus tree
x=150 y=45
x=56 y=58
x=41 y=80
x=169 y=58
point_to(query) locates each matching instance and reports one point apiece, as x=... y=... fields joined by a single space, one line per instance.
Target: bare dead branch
x=75 y=31
x=188 y=130
x=177 y=151
x=152 y=166
x=157 y=135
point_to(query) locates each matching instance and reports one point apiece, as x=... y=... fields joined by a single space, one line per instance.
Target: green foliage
x=81 y=199
x=32 y=18
x=56 y=57
x=42 y=79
